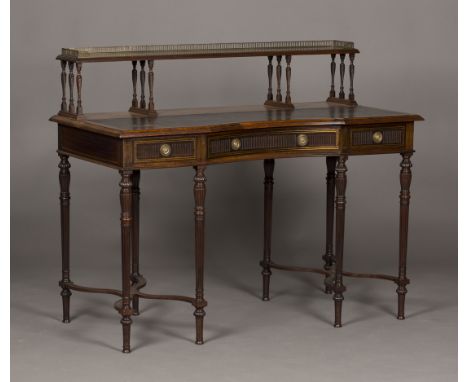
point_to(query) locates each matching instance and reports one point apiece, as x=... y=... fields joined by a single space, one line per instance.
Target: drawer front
x=164 y=150
x=286 y=140
x=375 y=137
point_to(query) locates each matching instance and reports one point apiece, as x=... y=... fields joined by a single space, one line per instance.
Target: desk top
x=217 y=119
x=212 y=50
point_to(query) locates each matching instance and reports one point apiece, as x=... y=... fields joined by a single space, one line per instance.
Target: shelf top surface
x=219 y=119
x=207 y=50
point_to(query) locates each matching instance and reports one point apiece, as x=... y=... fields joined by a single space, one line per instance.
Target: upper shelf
x=181 y=51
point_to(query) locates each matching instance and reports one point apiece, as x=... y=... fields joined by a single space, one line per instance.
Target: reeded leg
x=64 y=178
x=405 y=182
x=328 y=257
x=268 y=166
x=199 y=192
x=126 y=234
x=340 y=203
x=136 y=237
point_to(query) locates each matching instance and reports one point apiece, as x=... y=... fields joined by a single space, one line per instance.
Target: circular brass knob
x=165 y=150
x=235 y=144
x=377 y=137
x=302 y=140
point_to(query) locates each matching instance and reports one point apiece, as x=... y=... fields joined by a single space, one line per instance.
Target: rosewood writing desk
x=146 y=138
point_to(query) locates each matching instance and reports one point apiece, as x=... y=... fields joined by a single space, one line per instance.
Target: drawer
x=164 y=150
x=293 y=140
x=378 y=136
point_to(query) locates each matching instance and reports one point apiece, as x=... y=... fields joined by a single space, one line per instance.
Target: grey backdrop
x=408 y=62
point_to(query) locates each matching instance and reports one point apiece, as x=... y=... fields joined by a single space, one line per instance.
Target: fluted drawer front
x=378 y=136
x=163 y=150
x=236 y=144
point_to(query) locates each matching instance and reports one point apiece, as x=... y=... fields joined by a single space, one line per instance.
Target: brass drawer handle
x=377 y=137
x=235 y=144
x=302 y=140
x=165 y=150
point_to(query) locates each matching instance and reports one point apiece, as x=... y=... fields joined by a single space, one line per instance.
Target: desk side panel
x=101 y=149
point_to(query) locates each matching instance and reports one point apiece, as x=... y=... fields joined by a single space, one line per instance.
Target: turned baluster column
x=134 y=83
x=71 y=82
x=136 y=237
x=63 y=80
x=279 y=97
x=270 y=78
x=340 y=203
x=79 y=82
x=351 y=77
x=405 y=182
x=342 y=73
x=328 y=256
x=151 y=85
x=199 y=192
x=332 y=70
x=142 y=83
x=268 y=166
x=288 y=80
x=64 y=180
x=126 y=236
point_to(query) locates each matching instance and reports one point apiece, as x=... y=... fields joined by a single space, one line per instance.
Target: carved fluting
x=340 y=203
x=142 y=84
x=71 y=83
x=151 y=85
x=333 y=70
x=126 y=235
x=134 y=84
x=328 y=257
x=288 y=79
x=63 y=80
x=64 y=180
x=268 y=166
x=136 y=276
x=405 y=183
x=199 y=192
x=279 y=97
x=270 y=78
x=342 y=73
x=351 y=77
x=79 y=83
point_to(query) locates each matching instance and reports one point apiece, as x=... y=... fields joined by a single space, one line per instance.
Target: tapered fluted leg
x=340 y=203
x=405 y=182
x=64 y=178
x=126 y=234
x=328 y=257
x=268 y=166
x=199 y=192
x=136 y=237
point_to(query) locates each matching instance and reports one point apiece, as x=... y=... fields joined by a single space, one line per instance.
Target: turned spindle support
x=134 y=84
x=288 y=80
x=151 y=86
x=332 y=70
x=71 y=84
x=136 y=238
x=279 y=97
x=79 y=82
x=342 y=73
x=63 y=80
x=351 y=77
x=340 y=203
x=142 y=84
x=270 y=79
x=405 y=183
x=64 y=180
x=199 y=192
